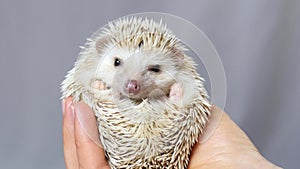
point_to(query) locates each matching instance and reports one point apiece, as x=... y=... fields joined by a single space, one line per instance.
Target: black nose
x=132 y=87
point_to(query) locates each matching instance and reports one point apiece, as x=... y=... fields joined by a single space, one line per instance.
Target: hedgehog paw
x=176 y=94
x=99 y=85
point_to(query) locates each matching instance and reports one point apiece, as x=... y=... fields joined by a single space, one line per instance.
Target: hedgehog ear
x=101 y=43
x=178 y=55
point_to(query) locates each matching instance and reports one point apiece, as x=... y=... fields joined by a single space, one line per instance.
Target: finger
x=70 y=153
x=89 y=150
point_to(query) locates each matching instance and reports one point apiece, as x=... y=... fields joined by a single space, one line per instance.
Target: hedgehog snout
x=132 y=87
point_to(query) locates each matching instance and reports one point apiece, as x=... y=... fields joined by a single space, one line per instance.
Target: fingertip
x=87 y=120
x=68 y=110
x=63 y=101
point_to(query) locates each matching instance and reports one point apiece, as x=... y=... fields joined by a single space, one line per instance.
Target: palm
x=228 y=147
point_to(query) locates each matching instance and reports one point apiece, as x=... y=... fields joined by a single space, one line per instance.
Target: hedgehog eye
x=154 y=68
x=141 y=43
x=117 y=62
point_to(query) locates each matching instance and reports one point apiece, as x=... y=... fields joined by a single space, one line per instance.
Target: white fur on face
x=105 y=68
x=135 y=67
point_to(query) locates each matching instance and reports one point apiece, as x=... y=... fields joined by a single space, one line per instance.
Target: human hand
x=223 y=144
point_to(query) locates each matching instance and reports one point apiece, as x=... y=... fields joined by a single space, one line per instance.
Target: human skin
x=223 y=144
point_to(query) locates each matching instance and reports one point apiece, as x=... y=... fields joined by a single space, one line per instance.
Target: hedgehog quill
x=149 y=101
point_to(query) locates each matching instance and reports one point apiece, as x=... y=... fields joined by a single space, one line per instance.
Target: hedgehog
x=149 y=101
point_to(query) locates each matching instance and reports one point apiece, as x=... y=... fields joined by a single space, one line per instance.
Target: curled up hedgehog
x=149 y=101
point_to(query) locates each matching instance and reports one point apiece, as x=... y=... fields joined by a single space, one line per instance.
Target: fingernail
x=63 y=106
x=68 y=106
x=87 y=120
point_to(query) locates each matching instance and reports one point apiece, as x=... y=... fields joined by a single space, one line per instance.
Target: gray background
x=258 y=42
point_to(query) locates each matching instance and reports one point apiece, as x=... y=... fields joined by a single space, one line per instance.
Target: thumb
x=89 y=150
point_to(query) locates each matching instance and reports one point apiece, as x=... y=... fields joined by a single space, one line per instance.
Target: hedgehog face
x=144 y=74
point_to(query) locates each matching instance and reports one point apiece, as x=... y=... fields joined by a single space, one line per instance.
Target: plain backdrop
x=257 y=40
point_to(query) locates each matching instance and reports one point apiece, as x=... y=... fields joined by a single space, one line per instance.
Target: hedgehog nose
x=132 y=87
